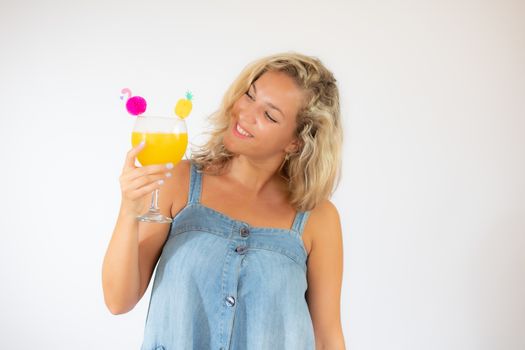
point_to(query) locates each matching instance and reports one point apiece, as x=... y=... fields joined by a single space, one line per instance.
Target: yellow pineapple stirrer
x=183 y=106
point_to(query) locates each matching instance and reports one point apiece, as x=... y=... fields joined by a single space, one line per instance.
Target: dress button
x=241 y=249
x=230 y=300
x=244 y=231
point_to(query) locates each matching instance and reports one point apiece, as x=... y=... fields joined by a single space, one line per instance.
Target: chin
x=231 y=146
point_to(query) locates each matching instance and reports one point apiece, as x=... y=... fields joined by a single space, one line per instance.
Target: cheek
x=276 y=138
x=232 y=115
x=236 y=110
x=238 y=105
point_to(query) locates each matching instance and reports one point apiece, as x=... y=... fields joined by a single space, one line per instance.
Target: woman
x=254 y=256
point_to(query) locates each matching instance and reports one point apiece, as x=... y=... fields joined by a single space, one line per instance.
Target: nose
x=247 y=117
x=248 y=114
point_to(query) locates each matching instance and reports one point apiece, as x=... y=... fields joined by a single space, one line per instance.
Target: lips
x=240 y=131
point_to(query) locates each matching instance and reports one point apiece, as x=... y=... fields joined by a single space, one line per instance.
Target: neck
x=256 y=176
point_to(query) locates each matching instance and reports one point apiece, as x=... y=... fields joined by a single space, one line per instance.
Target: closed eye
x=247 y=94
x=266 y=114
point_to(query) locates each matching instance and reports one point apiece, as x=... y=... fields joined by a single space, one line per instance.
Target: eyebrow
x=269 y=103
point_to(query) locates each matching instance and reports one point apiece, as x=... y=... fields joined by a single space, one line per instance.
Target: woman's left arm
x=325 y=275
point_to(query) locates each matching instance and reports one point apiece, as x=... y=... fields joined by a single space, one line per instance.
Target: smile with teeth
x=242 y=131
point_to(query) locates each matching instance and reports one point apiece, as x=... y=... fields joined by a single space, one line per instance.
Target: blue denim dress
x=223 y=284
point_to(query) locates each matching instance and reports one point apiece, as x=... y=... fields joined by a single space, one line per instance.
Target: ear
x=294 y=146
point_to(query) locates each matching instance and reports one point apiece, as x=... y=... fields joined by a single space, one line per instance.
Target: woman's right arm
x=135 y=247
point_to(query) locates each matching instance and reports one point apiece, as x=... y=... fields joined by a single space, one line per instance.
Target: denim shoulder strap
x=195 y=184
x=299 y=221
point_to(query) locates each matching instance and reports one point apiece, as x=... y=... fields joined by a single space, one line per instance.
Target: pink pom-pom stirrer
x=135 y=105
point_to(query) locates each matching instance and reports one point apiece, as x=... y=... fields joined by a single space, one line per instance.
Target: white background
x=432 y=197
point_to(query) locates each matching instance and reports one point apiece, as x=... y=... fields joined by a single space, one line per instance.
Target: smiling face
x=264 y=119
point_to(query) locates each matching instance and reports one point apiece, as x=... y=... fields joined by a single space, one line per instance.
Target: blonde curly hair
x=314 y=171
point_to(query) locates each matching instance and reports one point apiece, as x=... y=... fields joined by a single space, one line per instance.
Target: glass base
x=152 y=216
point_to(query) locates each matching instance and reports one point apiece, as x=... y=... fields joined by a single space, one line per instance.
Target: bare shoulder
x=323 y=224
x=324 y=216
x=182 y=169
x=324 y=213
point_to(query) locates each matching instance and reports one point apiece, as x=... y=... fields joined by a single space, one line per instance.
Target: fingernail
x=169 y=165
x=168 y=174
x=142 y=143
x=160 y=182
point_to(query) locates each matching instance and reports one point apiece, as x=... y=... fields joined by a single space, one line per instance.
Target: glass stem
x=154 y=207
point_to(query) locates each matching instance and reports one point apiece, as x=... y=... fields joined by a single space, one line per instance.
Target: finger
x=142 y=191
x=146 y=170
x=128 y=188
x=145 y=180
x=132 y=154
